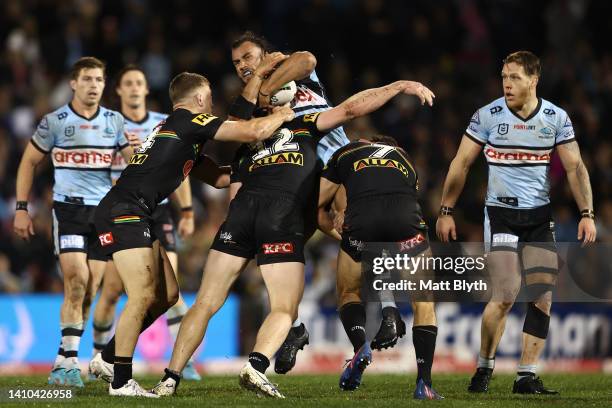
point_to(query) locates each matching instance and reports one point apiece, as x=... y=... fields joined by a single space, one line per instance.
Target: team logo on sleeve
x=44 y=124
x=475 y=118
x=203 y=119
x=495 y=110
x=311 y=117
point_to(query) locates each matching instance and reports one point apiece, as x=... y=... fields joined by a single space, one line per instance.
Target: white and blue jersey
x=518 y=151
x=142 y=129
x=81 y=151
x=310 y=97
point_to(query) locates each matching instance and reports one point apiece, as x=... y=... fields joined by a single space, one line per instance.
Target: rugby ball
x=284 y=95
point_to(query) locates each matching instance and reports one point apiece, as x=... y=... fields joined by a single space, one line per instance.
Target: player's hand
x=587 y=233
x=186 y=226
x=285 y=111
x=419 y=90
x=133 y=139
x=23 y=226
x=269 y=63
x=445 y=228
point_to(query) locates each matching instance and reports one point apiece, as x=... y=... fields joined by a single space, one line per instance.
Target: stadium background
x=454 y=47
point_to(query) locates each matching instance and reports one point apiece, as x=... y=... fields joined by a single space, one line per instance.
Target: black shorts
x=163 y=227
x=507 y=229
x=73 y=231
x=390 y=222
x=122 y=224
x=268 y=225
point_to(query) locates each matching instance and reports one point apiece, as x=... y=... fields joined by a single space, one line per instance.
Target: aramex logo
x=278 y=248
x=82 y=158
x=516 y=156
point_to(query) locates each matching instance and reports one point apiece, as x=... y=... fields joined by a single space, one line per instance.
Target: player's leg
x=174 y=317
x=540 y=267
x=424 y=334
x=505 y=276
x=104 y=313
x=151 y=289
x=76 y=275
x=220 y=273
x=285 y=284
x=352 y=315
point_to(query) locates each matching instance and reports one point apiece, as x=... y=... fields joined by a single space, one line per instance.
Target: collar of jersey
x=531 y=115
x=95 y=115
x=137 y=122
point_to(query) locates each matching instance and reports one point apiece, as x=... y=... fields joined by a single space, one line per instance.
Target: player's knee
x=208 y=306
x=76 y=290
x=505 y=306
x=536 y=321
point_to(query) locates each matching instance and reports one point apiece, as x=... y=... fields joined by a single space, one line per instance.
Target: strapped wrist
x=444 y=210
x=21 y=206
x=587 y=213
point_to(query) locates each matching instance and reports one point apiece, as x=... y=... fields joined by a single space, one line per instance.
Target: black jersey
x=285 y=163
x=167 y=156
x=370 y=169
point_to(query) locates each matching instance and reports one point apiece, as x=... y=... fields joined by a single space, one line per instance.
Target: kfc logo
x=278 y=248
x=106 y=238
x=411 y=242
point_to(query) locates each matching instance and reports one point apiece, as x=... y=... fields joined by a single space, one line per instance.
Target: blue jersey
x=309 y=98
x=518 y=151
x=142 y=129
x=81 y=151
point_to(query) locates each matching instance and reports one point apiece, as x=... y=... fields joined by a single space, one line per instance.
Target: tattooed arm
x=580 y=184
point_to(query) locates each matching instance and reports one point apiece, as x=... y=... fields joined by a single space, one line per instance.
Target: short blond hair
x=184 y=83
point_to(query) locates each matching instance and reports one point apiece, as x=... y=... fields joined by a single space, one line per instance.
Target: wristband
x=190 y=208
x=587 y=213
x=444 y=210
x=241 y=108
x=21 y=205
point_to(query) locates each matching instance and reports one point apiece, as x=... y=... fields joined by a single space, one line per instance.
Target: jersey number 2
x=282 y=143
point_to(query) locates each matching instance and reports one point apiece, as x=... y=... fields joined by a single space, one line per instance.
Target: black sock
x=259 y=362
x=172 y=374
x=299 y=331
x=122 y=371
x=353 y=318
x=424 y=339
x=108 y=353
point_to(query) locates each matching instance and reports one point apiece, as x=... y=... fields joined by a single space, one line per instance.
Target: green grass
x=321 y=391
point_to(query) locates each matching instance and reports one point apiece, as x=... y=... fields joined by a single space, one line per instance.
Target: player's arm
x=580 y=184
x=31 y=158
x=211 y=173
x=127 y=152
x=182 y=195
x=233 y=189
x=453 y=186
x=370 y=100
x=298 y=65
x=255 y=129
x=327 y=192
x=266 y=68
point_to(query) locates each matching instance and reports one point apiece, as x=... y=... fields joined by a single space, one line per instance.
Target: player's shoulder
x=59 y=115
x=493 y=109
x=157 y=116
x=349 y=148
x=111 y=115
x=551 y=111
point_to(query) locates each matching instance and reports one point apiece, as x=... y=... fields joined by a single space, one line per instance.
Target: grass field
x=577 y=391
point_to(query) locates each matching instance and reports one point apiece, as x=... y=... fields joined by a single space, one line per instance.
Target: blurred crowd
x=455 y=47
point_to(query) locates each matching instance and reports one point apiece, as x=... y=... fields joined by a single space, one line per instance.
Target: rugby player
x=518 y=133
x=247 y=53
x=132 y=89
x=81 y=138
x=380 y=191
x=123 y=218
x=266 y=221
